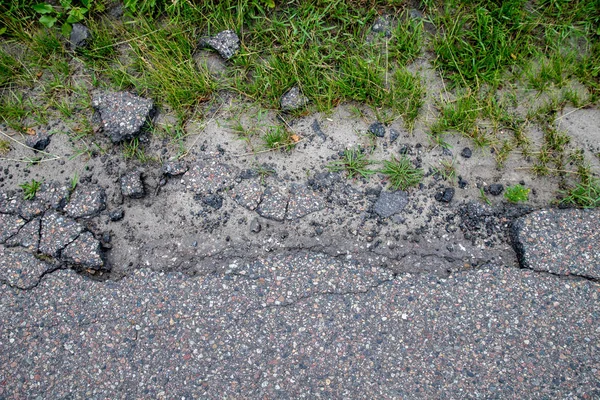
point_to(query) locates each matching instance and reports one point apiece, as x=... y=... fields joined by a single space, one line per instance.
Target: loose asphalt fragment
x=226 y=43
x=293 y=99
x=123 y=116
x=562 y=242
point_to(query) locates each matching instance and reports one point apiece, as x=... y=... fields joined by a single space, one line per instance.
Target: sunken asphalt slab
x=302 y=325
x=564 y=242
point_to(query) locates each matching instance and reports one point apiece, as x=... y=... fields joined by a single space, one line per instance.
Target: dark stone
x=445 y=196
x=116 y=215
x=495 y=189
x=390 y=203
x=377 y=129
x=132 y=185
x=317 y=129
x=394 y=135
x=404 y=149
x=462 y=183
x=248 y=174
x=213 y=200
x=293 y=99
x=466 y=152
x=80 y=36
x=226 y=43
x=255 y=225
x=123 y=115
x=38 y=142
x=174 y=168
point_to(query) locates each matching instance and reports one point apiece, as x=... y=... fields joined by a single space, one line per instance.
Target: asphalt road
x=302 y=326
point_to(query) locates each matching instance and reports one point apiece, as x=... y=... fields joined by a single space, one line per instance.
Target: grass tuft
x=401 y=173
x=354 y=162
x=517 y=193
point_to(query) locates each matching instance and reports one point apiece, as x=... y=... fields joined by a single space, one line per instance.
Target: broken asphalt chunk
x=21 y=269
x=563 y=242
x=123 y=115
x=274 y=203
x=132 y=185
x=57 y=232
x=390 y=203
x=303 y=201
x=87 y=201
x=84 y=251
x=226 y=43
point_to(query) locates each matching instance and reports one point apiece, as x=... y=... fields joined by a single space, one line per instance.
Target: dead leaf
x=295 y=138
x=30 y=131
x=513 y=56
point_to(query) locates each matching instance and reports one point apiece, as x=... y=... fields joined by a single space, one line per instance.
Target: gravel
x=495 y=189
x=445 y=195
x=38 y=142
x=377 y=129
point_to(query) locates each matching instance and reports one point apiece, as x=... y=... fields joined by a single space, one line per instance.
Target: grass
x=354 y=162
x=30 y=189
x=401 y=173
x=585 y=194
x=446 y=170
x=517 y=193
x=496 y=60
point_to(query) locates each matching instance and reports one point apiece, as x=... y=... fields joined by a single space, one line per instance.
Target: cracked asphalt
x=302 y=325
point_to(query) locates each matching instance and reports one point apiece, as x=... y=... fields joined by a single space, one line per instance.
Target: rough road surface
x=303 y=325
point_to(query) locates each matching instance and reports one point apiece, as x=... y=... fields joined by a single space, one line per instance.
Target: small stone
x=38 y=142
x=394 y=135
x=226 y=43
x=213 y=200
x=80 y=36
x=462 y=183
x=390 y=203
x=116 y=215
x=122 y=114
x=466 y=152
x=377 y=129
x=174 y=168
x=255 y=225
x=293 y=99
x=132 y=185
x=495 y=189
x=445 y=196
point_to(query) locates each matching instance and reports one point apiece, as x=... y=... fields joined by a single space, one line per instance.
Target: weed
x=30 y=189
x=447 y=170
x=13 y=110
x=401 y=173
x=484 y=197
x=277 y=137
x=585 y=194
x=263 y=172
x=354 y=162
x=4 y=146
x=133 y=149
x=74 y=181
x=67 y=12
x=459 y=116
x=517 y=193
